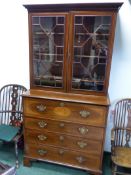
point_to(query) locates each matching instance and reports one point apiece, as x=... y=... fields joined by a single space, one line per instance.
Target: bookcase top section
x=73 y=7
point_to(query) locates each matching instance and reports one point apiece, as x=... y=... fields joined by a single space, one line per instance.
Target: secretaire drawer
x=95 y=133
x=70 y=111
x=62 y=140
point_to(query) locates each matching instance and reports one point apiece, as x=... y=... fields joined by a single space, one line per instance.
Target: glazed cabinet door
x=91 y=47
x=71 y=51
x=48 y=50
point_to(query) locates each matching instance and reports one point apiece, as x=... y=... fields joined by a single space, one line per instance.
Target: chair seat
x=7 y=132
x=122 y=157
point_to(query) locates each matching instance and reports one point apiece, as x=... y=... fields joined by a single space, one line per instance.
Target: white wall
x=14 y=62
x=120 y=76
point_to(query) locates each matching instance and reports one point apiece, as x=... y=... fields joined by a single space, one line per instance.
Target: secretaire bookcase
x=65 y=110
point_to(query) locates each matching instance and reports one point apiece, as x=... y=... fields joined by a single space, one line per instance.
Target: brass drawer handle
x=84 y=113
x=41 y=108
x=42 y=124
x=42 y=152
x=42 y=137
x=83 y=130
x=61 y=125
x=61 y=138
x=81 y=144
x=80 y=159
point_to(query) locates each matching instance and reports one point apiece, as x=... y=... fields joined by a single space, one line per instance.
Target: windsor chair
x=121 y=138
x=11 y=115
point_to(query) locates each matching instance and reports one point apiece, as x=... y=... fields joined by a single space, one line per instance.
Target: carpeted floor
x=41 y=168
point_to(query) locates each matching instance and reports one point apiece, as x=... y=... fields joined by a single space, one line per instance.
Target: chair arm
x=117 y=129
x=11 y=111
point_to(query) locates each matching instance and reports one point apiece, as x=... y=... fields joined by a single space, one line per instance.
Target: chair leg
x=114 y=169
x=16 y=154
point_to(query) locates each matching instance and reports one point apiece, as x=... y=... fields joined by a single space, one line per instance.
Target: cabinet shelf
x=89 y=56
x=88 y=81
x=91 y=34
x=49 y=81
x=35 y=46
x=46 y=54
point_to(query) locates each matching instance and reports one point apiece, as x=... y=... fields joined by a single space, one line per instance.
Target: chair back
x=122 y=114
x=11 y=104
x=122 y=122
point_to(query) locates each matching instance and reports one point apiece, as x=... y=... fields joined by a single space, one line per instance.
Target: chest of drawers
x=64 y=131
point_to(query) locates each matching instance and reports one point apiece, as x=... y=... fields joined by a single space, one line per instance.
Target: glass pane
x=91 y=36
x=48 y=50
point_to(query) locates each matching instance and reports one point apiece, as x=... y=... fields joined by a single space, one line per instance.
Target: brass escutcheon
x=61 y=138
x=61 y=125
x=61 y=151
x=61 y=104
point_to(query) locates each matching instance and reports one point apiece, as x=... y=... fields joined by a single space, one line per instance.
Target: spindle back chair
x=11 y=115
x=121 y=137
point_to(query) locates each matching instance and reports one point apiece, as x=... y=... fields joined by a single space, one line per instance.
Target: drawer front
x=62 y=140
x=65 y=156
x=74 y=112
x=83 y=131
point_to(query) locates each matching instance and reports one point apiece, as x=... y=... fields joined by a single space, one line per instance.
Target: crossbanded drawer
x=70 y=111
x=84 y=131
x=58 y=139
x=63 y=156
